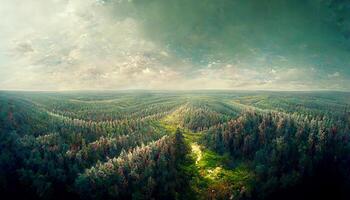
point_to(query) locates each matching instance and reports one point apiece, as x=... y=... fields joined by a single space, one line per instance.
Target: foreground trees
x=147 y=172
x=282 y=148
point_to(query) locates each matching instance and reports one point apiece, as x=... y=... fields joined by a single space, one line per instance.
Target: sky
x=175 y=45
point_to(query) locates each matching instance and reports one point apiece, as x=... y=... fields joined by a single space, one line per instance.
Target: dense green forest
x=175 y=145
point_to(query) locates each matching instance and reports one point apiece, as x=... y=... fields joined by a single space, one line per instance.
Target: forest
x=208 y=144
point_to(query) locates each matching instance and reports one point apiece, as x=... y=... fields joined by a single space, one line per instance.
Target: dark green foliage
x=282 y=148
x=147 y=172
x=118 y=145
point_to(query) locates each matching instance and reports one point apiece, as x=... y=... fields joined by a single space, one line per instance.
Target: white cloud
x=334 y=75
x=82 y=44
x=83 y=47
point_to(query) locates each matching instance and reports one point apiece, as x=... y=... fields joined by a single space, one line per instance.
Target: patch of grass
x=211 y=159
x=191 y=136
x=212 y=178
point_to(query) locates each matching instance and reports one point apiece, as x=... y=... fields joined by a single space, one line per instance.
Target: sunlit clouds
x=150 y=44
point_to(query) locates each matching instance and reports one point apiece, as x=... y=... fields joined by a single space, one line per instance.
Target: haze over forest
x=175 y=99
x=182 y=44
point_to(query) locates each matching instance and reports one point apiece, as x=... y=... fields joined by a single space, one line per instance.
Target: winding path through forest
x=214 y=175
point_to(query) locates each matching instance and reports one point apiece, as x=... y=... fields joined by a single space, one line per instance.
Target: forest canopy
x=175 y=145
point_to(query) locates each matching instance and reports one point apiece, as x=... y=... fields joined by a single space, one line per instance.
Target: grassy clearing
x=212 y=178
x=217 y=180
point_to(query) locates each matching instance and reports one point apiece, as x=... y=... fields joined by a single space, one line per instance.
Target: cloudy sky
x=182 y=44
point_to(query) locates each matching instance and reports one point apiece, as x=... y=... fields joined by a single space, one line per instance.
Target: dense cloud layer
x=183 y=44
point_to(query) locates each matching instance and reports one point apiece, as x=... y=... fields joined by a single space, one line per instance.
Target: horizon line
x=171 y=90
